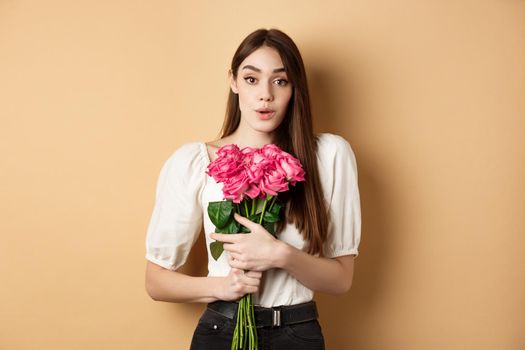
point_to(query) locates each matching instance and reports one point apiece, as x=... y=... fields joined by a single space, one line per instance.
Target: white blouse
x=184 y=191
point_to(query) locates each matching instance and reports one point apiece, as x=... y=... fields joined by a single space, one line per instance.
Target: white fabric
x=184 y=191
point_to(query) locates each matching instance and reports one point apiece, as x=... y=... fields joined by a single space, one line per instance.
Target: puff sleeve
x=338 y=170
x=176 y=220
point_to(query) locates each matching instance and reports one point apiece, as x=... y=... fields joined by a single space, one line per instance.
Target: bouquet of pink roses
x=252 y=179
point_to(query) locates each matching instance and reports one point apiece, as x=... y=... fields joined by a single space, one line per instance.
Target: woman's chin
x=266 y=128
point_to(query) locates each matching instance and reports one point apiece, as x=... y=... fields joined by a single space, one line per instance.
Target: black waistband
x=270 y=317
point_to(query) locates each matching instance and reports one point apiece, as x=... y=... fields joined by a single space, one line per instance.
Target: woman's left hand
x=256 y=251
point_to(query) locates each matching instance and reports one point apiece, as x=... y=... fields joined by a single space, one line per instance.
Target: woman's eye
x=282 y=82
x=250 y=80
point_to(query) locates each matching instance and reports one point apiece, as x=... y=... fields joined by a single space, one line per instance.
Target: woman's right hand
x=238 y=283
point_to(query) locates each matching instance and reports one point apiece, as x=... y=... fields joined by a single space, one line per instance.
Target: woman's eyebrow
x=276 y=70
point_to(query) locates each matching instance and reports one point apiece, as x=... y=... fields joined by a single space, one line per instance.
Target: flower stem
x=263 y=208
x=243 y=321
x=246 y=208
x=251 y=325
x=245 y=333
x=272 y=203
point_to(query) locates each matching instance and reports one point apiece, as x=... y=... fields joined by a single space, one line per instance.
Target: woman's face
x=264 y=90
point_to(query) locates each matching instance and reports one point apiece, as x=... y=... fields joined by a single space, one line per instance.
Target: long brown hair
x=307 y=210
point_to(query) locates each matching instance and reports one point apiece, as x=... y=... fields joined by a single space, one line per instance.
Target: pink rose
x=291 y=168
x=235 y=187
x=228 y=163
x=254 y=163
x=228 y=150
x=253 y=191
x=272 y=183
x=248 y=151
x=271 y=151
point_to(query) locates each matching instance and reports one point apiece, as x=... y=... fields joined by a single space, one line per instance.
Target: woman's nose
x=266 y=93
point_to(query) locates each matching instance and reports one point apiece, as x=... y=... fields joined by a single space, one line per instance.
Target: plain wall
x=95 y=96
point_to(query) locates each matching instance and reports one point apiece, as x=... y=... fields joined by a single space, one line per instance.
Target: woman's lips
x=265 y=114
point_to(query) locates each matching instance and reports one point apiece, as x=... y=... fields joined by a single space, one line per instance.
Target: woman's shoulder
x=189 y=154
x=185 y=167
x=331 y=144
x=190 y=147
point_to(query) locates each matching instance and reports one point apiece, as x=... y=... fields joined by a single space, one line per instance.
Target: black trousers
x=215 y=332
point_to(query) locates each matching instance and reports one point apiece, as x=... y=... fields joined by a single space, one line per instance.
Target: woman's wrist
x=217 y=288
x=282 y=254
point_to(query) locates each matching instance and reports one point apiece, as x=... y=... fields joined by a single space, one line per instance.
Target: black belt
x=270 y=317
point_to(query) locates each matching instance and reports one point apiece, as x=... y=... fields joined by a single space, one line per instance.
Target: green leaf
x=254 y=217
x=270 y=217
x=216 y=249
x=270 y=227
x=220 y=212
x=232 y=226
x=276 y=208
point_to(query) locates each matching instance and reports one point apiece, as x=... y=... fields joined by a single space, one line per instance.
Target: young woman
x=317 y=242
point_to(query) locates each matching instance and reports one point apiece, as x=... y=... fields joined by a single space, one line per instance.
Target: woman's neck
x=251 y=138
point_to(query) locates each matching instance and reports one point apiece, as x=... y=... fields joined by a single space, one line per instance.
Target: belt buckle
x=276 y=317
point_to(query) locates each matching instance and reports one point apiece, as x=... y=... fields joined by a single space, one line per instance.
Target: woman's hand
x=256 y=251
x=238 y=283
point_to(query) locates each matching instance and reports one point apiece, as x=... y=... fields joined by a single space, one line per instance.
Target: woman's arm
x=260 y=251
x=172 y=286
x=327 y=275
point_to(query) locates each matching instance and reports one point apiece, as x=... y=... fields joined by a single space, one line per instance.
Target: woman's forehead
x=264 y=59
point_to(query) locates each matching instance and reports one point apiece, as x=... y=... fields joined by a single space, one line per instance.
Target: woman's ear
x=233 y=82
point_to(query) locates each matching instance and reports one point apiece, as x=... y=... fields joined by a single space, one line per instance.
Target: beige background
x=95 y=95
